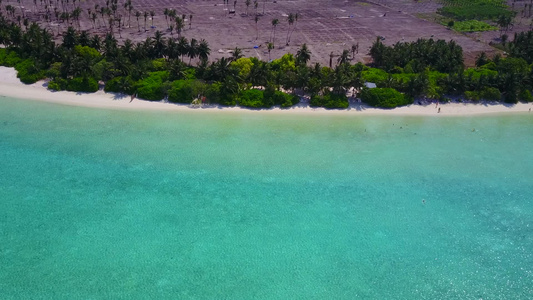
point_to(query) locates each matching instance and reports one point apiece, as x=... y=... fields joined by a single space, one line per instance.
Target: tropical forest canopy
x=179 y=70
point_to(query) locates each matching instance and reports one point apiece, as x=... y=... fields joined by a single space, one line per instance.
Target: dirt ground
x=326 y=26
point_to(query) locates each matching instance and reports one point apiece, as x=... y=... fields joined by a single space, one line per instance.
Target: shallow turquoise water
x=104 y=204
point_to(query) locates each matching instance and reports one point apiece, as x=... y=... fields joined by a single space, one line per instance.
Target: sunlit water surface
x=107 y=204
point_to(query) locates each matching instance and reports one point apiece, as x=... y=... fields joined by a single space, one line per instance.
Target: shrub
x=273 y=97
x=184 y=91
x=113 y=85
x=227 y=99
x=3 y=54
x=252 y=98
x=58 y=84
x=190 y=73
x=525 y=95
x=11 y=59
x=28 y=72
x=329 y=100
x=472 y=95
x=212 y=92
x=384 y=97
x=375 y=75
x=82 y=84
x=491 y=93
x=473 y=26
x=159 y=64
x=152 y=88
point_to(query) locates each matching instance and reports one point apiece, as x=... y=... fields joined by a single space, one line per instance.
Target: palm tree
x=76 y=15
x=171 y=51
x=102 y=13
x=303 y=55
x=203 y=50
x=70 y=38
x=290 y=19
x=165 y=12
x=152 y=14
x=275 y=23
x=270 y=47
x=237 y=53
x=355 y=48
x=111 y=21
x=93 y=18
x=295 y=21
x=505 y=22
x=159 y=44
x=344 y=57
x=137 y=15
x=145 y=15
x=192 y=50
x=177 y=70
x=119 y=21
x=129 y=8
x=179 y=25
x=183 y=46
x=256 y=19
x=247 y=2
x=172 y=14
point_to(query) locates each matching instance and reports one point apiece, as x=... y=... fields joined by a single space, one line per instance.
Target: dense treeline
x=415 y=57
x=162 y=68
x=435 y=69
x=521 y=46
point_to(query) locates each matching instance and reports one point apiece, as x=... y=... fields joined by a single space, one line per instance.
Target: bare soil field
x=326 y=26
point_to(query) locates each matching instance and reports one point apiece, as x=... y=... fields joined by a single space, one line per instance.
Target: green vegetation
x=329 y=100
x=28 y=72
x=252 y=98
x=77 y=84
x=521 y=46
x=384 y=97
x=154 y=70
x=470 y=26
x=415 y=57
x=463 y=10
x=153 y=87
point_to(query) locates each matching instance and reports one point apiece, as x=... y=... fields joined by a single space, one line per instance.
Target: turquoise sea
x=109 y=204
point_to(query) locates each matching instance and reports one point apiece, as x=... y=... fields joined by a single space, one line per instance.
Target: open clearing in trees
x=326 y=26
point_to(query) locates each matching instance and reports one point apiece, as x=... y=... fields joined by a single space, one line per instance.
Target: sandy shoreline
x=10 y=86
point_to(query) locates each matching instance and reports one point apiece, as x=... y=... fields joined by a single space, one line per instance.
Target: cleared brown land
x=326 y=26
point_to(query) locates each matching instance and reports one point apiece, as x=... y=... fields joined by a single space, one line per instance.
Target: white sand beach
x=10 y=86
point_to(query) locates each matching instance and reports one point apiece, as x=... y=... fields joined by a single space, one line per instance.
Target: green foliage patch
x=252 y=98
x=185 y=91
x=384 y=97
x=9 y=58
x=472 y=26
x=463 y=10
x=329 y=100
x=152 y=87
x=82 y=84
x=28 y=72
x=78 y=84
